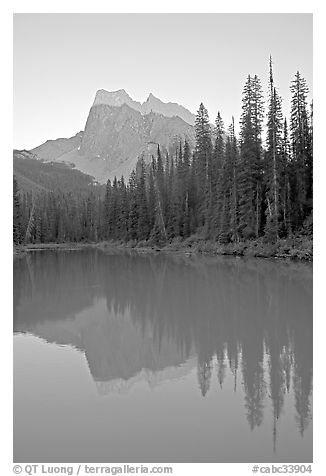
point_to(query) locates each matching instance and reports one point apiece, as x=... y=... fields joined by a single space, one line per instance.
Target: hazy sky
x=61 y=60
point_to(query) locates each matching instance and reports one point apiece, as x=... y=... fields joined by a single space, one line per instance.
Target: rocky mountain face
x=118 y=131
x=53 y=149
x=152 y=104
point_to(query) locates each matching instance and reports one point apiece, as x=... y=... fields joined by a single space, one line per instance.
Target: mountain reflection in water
x=157 y=317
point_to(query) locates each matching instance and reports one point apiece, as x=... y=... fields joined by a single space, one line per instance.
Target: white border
x=168 y=6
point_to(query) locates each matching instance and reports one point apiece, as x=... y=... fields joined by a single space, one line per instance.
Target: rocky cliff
x=118 y=131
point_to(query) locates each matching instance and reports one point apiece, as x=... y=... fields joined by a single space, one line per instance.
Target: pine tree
x=91 y=218
x=51 y=213
x=17 y=214
x=174 y=214
x=143 y=225
x=114 y=211
x=233 y=160
x=272 y=170
x=122 y=223
x=226 y=187
x=218 y=161
x=203 y=162
x=151 y=197
x=186 y=189
x=63 y=220
x=160 y=175
x=309 y=162
x=30 y=219
x=285 y=190
x=193 y=202
x=301 y=150
x=179 y=191
x=106 y=210
x=158 y=233
x=133 y=212
x=250 y=166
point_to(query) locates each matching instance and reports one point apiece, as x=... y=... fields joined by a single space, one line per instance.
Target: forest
x=229 y=189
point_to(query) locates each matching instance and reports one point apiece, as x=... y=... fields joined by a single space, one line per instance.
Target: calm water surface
x=155 y=358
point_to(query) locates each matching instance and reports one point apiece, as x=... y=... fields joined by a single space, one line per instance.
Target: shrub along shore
x=296 y=248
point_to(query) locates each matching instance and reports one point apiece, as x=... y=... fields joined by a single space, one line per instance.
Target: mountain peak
x=152 y=104
x=111 y=98
x=121 y=92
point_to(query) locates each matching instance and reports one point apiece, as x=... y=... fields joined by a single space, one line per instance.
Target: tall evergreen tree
x=91 y=218
x=185 y=179
x=301 y=150
x=151 y=197
x=17 y=214
x=272 y=169
x=227 y=192
x=133 y=211
x=114 y=210
x=107 y=210
x=285 y=190
x=250 y=166
x=233 y=159
x=217 y=178
x=143 y=229
x=203 y=161
x=122 y=223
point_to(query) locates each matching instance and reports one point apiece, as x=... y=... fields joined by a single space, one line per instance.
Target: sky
x=61 y=60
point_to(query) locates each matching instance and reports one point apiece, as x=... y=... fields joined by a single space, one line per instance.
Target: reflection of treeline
x=233 y=312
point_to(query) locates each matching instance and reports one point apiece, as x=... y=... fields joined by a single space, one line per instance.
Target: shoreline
x=298 y=249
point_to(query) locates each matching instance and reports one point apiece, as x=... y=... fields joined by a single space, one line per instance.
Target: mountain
x=34 y=174
x=169 y=109
x=152 y=104
x=116 y=349
x=118 y=131
x=119 y=351
x=116 y=98
x=54 y=149
x=115 y=137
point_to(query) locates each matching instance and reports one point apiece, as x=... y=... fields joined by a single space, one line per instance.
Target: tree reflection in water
x=249 y=317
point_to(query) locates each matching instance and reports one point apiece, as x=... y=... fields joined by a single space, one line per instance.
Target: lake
x=126 y=357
